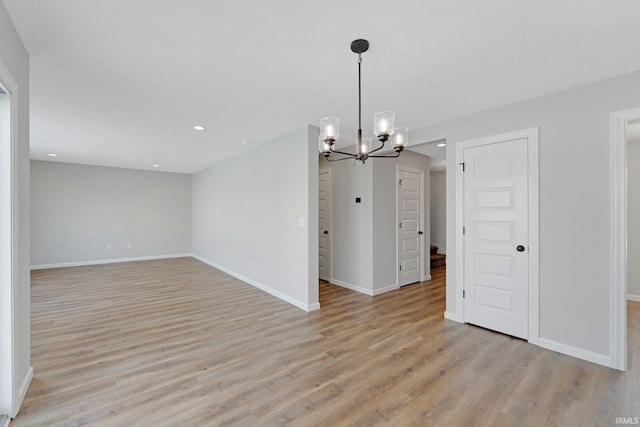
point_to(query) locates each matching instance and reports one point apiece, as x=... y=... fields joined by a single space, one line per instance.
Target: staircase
x=437 y=259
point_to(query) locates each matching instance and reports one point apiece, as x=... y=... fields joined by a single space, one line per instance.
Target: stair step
x=438 y=259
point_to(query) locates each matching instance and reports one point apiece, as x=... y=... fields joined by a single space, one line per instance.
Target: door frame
x=11 y=395
x=423 y=276
x=534 y=250
x=330 y=213
x=618 y=237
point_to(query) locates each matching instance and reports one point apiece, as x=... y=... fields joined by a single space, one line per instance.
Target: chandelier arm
x=351 y=157
x=387 y=156
x=379 y=148
x=342 y=152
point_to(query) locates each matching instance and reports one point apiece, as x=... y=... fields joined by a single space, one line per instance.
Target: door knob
x=520 y=248
x=326 y=232
x=419 y=232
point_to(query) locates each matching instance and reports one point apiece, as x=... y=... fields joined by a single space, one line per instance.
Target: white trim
x=459 y=272
x=423 y=249
x=26 y=382
x=453 y=316
x=353 y=287
x=632 y=297
x=392 y=287
x=8 y=258
x=426 y=278
x=6 y=422
x=531 y=135
x=618 y=237
x=262 y=287
x=107 y=261
x=534 y=234
x=363 y=290
x=589 y=356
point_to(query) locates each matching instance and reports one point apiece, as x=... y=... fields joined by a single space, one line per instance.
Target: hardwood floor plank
x=178 y=343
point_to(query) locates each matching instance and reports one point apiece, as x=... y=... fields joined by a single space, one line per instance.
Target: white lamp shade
x=400 y=137
x=323 y=146
x=329 y=128
x=365 y=146
x=383 y=123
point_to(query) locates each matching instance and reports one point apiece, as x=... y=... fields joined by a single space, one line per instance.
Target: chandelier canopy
x=383 y=126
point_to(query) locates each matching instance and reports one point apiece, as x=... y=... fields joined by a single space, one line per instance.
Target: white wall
x=15 y=352
x=364 y=234
x=574 y=202
x=385 y=226
x=633 y=219
x=352 y=223
x=78 y=210
x=256 y=217
x=439 y=210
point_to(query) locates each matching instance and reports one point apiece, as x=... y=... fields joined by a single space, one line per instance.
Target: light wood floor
x=177 y=343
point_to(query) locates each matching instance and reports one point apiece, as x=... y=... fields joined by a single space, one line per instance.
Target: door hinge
x=462 y=166
x=399 y=225
x=464 y=230
x=400 y=267
x=463 y=294
x=400 y=182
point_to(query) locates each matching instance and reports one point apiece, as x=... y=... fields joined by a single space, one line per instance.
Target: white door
x=409 y=226
x=495 y=237
x=324 y=225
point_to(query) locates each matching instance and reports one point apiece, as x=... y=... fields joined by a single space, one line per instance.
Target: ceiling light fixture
x=52 y=155
x=442 y=144
x=383 y=126
x=156 y=166
x=198 y=127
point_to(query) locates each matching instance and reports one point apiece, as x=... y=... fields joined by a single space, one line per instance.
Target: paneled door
x=324 y=225
x=495 y=237
x=409 y=225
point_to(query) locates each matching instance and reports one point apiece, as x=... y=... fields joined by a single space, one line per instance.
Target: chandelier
x=383 y=127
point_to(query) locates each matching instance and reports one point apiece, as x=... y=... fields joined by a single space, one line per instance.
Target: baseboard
x=632 y=297
x=4 y=421
x=426 y=278
x=453 y=316
x=385 y=289
x=589 y=356
x=106 y=261
x=356 y=288
x=26 y=382
x=262 y=287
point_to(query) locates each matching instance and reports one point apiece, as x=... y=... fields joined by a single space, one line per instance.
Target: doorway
x=410 y=207
x=324 y=226
x=619 y=234
x=497 y=233
x=7 y=271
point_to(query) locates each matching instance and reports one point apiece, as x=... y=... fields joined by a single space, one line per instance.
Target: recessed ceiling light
x=156 y=166
x=442 y=144
x=52 y=155
x=198 y=127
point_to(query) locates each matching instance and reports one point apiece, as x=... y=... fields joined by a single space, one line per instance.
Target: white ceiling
x=122 y=82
